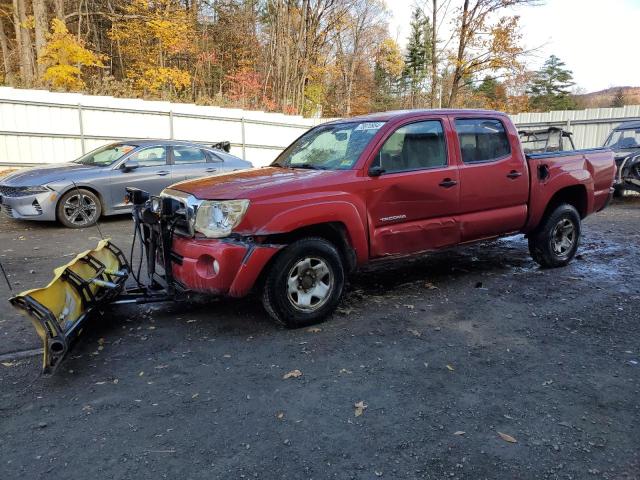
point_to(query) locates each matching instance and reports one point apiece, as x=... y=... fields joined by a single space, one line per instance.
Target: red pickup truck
x=345 y=193
x=352 y=191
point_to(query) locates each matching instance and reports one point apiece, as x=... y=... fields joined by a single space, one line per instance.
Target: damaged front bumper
x=219 y=266
x=59 y=310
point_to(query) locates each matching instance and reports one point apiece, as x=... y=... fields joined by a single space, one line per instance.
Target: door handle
x=211 y=170
x=447 y=183
x=162 y=173
x=513 y=174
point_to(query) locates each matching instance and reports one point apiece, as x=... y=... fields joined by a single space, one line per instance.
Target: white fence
x=38 y=127
x=590 y=127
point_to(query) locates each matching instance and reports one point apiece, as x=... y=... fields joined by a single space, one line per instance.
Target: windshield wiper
x=308 y=166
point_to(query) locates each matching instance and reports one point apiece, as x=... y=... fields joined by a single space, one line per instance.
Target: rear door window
x=183 y=155
x=482 y=140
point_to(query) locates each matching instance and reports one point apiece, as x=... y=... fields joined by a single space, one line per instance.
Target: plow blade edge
x=58 y=310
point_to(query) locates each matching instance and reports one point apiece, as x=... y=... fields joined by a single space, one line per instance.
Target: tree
x=550 y=87
x=298 y=33
x=41 y=27
x=63 y=58
x=492 y=94
x=23 y=42
x=155 y=40
x=418 y=56
x=618 y=99
x=387 y=74
x=354 y=40
x=4 y=49
x=485 y=44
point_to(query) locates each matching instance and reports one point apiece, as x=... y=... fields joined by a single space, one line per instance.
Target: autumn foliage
x=312 y=57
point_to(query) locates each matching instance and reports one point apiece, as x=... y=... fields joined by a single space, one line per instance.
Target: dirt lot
x=476 y=340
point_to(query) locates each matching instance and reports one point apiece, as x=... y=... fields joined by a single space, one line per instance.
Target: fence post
x=171 y=124
x=81 y=124
x=244 y=153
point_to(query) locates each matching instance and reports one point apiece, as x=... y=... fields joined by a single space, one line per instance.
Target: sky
x=597 y=40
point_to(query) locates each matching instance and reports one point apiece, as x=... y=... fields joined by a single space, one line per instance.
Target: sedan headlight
x=217 y=219
x=37 y=189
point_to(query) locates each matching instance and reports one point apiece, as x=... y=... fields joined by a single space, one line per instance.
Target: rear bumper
x=40 y=206
x=221 y=267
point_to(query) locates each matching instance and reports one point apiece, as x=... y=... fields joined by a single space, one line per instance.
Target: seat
x=422 y=150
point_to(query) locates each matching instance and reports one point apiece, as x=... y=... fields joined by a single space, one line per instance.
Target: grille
x=183 y=211
x=13 y=191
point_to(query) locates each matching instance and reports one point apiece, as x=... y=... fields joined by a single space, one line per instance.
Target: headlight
x=36 y=189
x=216 y=219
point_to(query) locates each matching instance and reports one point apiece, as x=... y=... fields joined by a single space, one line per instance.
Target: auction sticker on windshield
x=369 y=126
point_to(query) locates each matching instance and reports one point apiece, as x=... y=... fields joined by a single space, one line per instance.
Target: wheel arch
x=334 y=232
x=91 y=189
x=574 y=195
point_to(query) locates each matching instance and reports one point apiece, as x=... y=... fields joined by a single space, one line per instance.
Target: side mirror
x=129 y=166
x=376 y=171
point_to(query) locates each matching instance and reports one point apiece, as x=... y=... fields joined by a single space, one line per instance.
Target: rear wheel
x=555 y=242
x=304 y=283
x=79 y=208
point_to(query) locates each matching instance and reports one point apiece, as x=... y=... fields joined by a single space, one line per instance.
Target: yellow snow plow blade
x=58 y=310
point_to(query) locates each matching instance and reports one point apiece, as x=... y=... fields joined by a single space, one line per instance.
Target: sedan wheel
x=79 y=208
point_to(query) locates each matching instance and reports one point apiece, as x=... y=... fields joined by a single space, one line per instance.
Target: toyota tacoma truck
x=344 y=194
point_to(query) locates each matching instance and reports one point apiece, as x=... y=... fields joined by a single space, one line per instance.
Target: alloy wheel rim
x=309 y=284
x=563 y=237
x=80 y=209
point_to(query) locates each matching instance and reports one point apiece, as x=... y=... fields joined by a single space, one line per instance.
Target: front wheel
x=79 y=208
x=305 y=283
x=555 y=242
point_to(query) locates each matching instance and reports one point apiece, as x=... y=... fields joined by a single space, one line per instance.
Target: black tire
x=555 y=242
x=618 y=192
x=87 y=211
x=286 y=306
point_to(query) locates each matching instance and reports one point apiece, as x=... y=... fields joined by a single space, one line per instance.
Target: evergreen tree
x=492 y=93
x=550 y=88
x=418 y=55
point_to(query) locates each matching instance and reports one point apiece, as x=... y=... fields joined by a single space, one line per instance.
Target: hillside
x=604 y=98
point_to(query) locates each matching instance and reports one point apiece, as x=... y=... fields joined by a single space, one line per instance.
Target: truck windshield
x=329 y=147
x=105 y=156
x=624 y=139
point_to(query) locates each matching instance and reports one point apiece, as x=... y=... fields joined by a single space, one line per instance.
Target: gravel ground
x=471 y=363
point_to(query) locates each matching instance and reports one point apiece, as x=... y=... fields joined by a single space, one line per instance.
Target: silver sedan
x=78 y=193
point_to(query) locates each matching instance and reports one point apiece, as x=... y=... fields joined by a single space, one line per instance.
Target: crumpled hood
x=252 y=183
x=34 y=176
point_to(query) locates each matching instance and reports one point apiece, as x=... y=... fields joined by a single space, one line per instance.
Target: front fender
x=318 y=212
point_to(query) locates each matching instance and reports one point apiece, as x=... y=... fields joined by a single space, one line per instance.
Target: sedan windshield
x=105 y=156
x=329 y=147
x=624 y=139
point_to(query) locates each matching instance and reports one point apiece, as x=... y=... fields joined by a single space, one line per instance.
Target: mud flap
x=59 y=310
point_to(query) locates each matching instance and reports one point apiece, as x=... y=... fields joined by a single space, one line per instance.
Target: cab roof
x=401 y=114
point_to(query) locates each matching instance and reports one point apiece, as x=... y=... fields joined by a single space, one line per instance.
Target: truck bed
x=591 y=170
